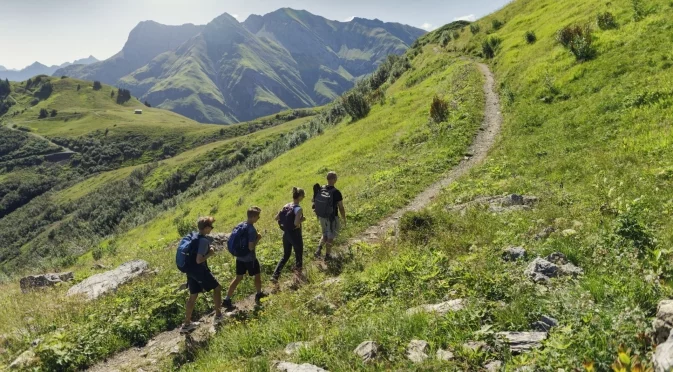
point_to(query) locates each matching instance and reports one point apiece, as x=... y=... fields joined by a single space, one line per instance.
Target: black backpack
x=286 y=218
x=324 y=202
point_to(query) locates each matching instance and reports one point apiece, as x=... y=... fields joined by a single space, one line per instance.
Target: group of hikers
x=195 y=249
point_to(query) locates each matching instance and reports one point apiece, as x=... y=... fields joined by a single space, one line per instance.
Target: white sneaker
x=218 y=320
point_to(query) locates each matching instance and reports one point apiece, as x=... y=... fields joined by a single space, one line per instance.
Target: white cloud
x=469 y=17
x=349 y=19
x=428 y=27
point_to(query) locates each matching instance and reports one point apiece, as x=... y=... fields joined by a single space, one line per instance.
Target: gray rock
x=663 y=323
x=444 y=355
x=520 y=342
x=499 y=204
x=441 y=309
x=540 y=270
x=511 y=200
x=475 y=346
x=663 y=356
x=545 y=233
x=513 y=253
x=493 y=366
x=332 y=281
x=219 y=241
x=417 y=351
x=570 y=270
x=26 y=360
x=545 y=324
x=99 y=284
x=45 y=280
x=367 y=350
x=292 y=367
x=557 y=258
x=293 y=347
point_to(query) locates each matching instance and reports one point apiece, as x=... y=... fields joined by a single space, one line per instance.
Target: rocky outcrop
x=545 y=324
x=417 y=351
x=514 y=253
x=444 y=355
x=292 y=367
x=26 y=360
x=441 y=309
x=100 y=284
x=520 y=342
x=556 y=264
x=220 y=241
x=499 y=204
x=663 y=356
x=493 y=366
x=663 y=323
x=367 y=350
x=45 y=280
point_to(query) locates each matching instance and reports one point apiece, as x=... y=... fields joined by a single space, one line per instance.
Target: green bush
x=416 y=224
x=439 y=110
x=53 y=113
x=474 y=28
x=531 y=38
x=490 y=46
x=578 y=39
x=43 y=113
x=445 y=39
x=497 y=24
x=606 y=21
x=638 y=10
x=356 y=105
x=97 y=85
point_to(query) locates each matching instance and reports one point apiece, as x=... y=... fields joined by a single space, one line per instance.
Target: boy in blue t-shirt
x=248 y=264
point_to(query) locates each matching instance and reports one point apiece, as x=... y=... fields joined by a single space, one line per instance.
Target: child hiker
x=290 y=219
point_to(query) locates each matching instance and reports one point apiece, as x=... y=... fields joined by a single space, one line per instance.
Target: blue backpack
x=238 y=241
x=185 y=257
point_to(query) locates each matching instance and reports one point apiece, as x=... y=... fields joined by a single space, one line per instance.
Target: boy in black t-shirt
x=331 y=225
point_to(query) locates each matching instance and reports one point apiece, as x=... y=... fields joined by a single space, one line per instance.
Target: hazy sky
x=56 y=31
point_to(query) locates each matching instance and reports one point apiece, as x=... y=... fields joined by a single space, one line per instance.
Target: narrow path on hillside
x=171 y=345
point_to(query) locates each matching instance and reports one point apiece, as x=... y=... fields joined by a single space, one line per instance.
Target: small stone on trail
x=292 y=367
x=513 y=253
x=367 y=350
x=26 y=360
x=417 y=351
x=520 y=342
x=441 y=309
x=444 y=355
x=493 y=366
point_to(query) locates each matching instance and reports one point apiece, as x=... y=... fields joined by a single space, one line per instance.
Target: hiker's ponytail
x=297 y=193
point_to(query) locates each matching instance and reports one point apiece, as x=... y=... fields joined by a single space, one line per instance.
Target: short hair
x=331 y=176
x=254 y=212
x=204 y=222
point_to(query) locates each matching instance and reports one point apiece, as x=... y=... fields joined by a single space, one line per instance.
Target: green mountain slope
x=230 y=72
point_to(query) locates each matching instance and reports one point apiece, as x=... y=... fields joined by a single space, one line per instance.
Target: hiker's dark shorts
x=252 y=268
x=201 y=280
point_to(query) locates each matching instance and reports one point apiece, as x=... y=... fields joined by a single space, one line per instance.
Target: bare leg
x=233 y=285
x=191 y=302
x=217 y=294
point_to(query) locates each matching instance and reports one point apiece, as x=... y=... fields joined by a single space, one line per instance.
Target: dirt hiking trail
x=172 y=347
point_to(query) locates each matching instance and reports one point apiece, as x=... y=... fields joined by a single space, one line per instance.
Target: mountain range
x=229 y=71
x=38 y=68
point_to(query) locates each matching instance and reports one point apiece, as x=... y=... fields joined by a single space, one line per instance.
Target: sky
x=56 y=31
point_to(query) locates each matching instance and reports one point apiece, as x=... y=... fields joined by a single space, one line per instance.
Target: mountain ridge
x=37 y=68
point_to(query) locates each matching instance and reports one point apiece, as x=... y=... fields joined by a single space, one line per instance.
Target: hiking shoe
x=188 y=328
x=260 y=296
x=274 y=280
x=318 y=253
x=328 y=257
x=218 y=320
x=228 y=304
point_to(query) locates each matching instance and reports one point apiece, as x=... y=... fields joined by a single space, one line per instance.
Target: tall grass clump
x=489 y=47
x=475 y=28
x=531 y=38
x=638 y=10
x=606 y=21
x=497 y=24
x=578 y=39
x=439 y=110
x=445 y=39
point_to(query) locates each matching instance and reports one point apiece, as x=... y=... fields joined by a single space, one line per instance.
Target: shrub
x=53 y=113
x=456 y=35
x=123 y=96
x=606 y=21
x=638 y=10
x=356 y=105
x=63 y=77
x=497 y=24
x=474 y=28
x=97 y=253
x=147 y=104
x=43 y=113
x=97 y=85
x=531 y=37
x=490 y=46
x=45 y=91
x=439 y=110
x=416 y=224
x=184 y=226
x=79 y=87
x=578 y=39
x=445 y=39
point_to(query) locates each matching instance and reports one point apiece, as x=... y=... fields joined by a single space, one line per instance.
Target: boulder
x=499 y=204
x=545 y=324
x=520 y=342
x=514 y=253
x=26 y=360
x=417 y=351
x=219 y=241
x=440 y=309
x=493 y=366
x=663 y=323
x=557 y=258
x=293 y=347
x=44 y=280
x=564 y=265
x=663 y=356
x=292 y=367
x=99 y=284
x=367 y=350
x=545 y=233
x=540 y=270
x=444 y=355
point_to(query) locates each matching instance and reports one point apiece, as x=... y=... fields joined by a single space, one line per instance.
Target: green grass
x=384 y=160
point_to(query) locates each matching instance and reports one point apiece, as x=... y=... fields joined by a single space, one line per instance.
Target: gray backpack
x=324 y=202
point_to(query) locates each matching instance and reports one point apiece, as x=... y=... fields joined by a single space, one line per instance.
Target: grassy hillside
x=384 y=160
